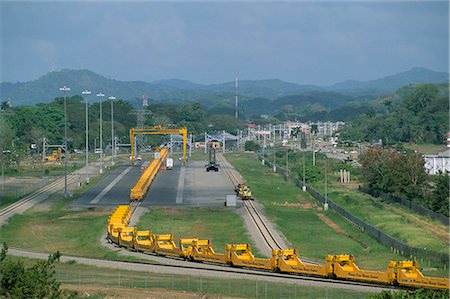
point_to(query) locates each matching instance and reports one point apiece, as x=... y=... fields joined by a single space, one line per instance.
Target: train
x=243 y=191
x=342 y=267
x=139 y=190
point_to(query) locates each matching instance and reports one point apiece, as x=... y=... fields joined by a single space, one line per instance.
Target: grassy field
x=397 y=221
x=53 y=225
x=220 y=225
x=426 y=148
x=82 y=277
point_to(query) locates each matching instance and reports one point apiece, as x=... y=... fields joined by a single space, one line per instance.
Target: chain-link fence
x=408 y=204
x=229 y=287
x=17 y=191
x=390 y=242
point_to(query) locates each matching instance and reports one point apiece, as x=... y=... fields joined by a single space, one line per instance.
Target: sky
x=210 y=42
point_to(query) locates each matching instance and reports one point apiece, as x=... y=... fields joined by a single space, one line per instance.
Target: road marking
x=112 y=184
x=180 y=185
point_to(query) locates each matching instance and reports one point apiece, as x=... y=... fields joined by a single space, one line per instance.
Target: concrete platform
x=188 y=185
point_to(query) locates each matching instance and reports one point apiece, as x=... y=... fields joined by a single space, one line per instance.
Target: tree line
x=22 y=126
x=417 y=114
x=403 y=175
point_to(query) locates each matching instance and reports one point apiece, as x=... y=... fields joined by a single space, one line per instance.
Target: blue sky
x=209 y=42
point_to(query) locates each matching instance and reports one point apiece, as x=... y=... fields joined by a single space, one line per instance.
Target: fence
x=407 y=203
x=220 y=287
x=390 y=242
x=20 y=191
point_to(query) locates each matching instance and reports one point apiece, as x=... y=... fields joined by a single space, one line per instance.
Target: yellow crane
x=156 y=130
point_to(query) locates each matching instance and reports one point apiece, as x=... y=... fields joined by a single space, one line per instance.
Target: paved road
x=119 y=192
x=191 y=186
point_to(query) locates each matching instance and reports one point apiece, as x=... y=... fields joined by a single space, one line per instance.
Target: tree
x=37 y=281
x=219 y=122
x=251 y=145
x=441 y=194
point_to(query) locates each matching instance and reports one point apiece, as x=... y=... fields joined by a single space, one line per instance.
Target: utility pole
x=85 y=94
x=190 y=145
x=113 y=146
x=101 y=96
x=236 y=99
x=325 y=205
x=64 y=89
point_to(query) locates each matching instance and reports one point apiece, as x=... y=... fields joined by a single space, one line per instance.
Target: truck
x=56 y=155
x=169 y=163
x=212 y=165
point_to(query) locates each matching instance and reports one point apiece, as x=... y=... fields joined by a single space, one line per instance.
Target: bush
x=37 y=281
x=252 y=146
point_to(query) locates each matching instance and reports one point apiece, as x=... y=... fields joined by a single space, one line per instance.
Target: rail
x=262 y=227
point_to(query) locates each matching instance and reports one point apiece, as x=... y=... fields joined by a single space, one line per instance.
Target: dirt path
x=439 y=230
x=134 y=293
x=340 y=230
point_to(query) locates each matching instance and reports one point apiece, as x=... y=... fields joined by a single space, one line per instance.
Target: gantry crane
x=156 y=130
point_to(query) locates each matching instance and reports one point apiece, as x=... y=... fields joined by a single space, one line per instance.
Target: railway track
x=204 y=269
x=255 y=215
x=36 y=197
x=265 y=231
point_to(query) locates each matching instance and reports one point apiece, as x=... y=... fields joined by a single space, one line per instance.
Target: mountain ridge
x=46 y=88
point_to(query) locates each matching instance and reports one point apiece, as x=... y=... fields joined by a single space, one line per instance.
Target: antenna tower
x=141 y=116
x=236 y=99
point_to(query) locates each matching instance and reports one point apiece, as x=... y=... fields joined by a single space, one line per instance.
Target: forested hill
x=46 y=88
x=391 y=83
x=415 y=113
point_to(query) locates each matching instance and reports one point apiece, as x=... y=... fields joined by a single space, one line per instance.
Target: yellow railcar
x=241 y=255
x=344 y=267
x=143 y=241
x=126 y=237
x=202 y=251
x=165 y=245
x=289 y=262
x=408 y=274
x=139 y=190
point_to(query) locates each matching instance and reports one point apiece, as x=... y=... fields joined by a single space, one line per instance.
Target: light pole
x=65 y=89
x=85 y=93
x=101 y=96
x=325 y=205
x=274 y=167
x=113 y=141
x=2 y=148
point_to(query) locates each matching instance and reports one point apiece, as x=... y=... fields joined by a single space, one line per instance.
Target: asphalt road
x=192 y=186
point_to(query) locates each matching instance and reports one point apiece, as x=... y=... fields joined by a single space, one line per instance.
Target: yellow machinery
x=156 y=130
x=141 y=187
x=202 y=251
x=344 y=267
x=117 y=221
x=164 y=245
x=404 y=273
x=57 y=155
x=186 y=246
x=143 y=241
x=241 y=255
x=289 y=261
x=408 y=274
x=243 y=191
x=126 y=237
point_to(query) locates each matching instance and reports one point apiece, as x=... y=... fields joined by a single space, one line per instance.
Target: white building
x=437 y=163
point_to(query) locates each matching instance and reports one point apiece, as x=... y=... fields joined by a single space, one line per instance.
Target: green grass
x=383 y=216
x=53 y=225
x=302 y=225
x=426 y=148
x=77 y=274
x=220 y=225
